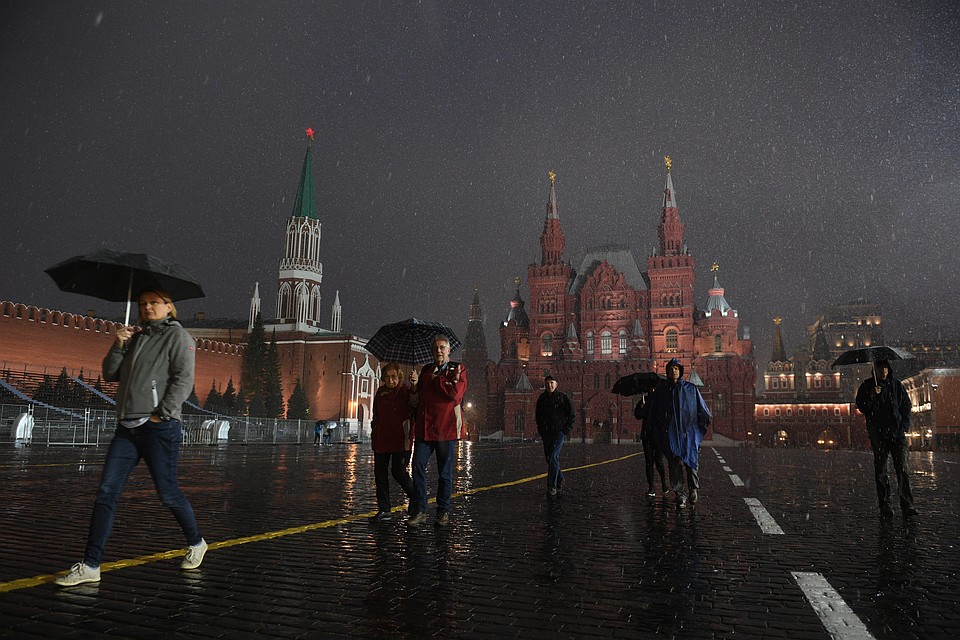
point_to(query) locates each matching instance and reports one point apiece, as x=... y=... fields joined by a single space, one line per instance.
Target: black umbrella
x=864 y=355
x=409 y=341
x=637 y=383
x=116 y=276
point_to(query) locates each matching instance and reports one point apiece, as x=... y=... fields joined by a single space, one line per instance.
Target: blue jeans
x=551 y=449
x=423 y=450
x=158 y=444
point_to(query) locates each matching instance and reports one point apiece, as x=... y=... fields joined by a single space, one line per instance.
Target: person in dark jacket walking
x=680 y=417
x=652 y=458
x=886 y=405
x=154 y=367
x=554 y=423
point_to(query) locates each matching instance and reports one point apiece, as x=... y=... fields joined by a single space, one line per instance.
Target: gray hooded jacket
x=155 y=371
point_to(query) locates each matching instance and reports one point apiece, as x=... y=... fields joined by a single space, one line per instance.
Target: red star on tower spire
x=309 y=131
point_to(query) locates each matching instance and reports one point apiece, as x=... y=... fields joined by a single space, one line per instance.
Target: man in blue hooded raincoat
x=679 y=418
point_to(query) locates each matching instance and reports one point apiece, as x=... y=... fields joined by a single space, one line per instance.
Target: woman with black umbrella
x=154 y=367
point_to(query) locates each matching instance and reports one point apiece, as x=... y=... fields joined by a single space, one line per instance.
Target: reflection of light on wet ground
x=465 y=466
x=352 y=471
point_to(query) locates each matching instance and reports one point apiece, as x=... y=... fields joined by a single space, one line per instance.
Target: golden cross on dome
x=668 y=162
x=553 y=176
x=516 y=281
x=715 y=267
x=777 y=320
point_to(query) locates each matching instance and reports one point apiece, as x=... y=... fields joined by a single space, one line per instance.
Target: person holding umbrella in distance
x=679 y=417
x=886 y=405
x=154 y=365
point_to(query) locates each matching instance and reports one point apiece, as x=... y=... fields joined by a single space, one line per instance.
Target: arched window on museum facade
x=673 y=341
x=606 y=343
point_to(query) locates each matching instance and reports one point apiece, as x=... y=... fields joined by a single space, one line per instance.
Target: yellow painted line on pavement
x=36 y=581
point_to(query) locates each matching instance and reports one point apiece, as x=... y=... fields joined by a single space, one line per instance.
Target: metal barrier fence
x=25 y=424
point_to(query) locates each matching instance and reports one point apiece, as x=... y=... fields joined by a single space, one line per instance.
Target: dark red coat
x=439 y=415
x=390 y=428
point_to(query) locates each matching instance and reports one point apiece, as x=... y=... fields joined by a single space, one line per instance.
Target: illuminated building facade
x=591 y=325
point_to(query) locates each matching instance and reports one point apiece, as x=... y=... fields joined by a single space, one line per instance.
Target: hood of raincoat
x=674 y=361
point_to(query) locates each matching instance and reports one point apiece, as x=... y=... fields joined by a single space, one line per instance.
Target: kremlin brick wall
x=39 y=340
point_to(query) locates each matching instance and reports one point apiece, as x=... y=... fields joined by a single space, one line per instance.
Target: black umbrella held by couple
x=116 y=276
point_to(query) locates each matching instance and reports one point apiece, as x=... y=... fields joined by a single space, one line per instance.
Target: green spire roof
x=305 y=206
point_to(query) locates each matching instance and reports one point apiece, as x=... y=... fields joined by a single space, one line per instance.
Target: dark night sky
x=816 y=147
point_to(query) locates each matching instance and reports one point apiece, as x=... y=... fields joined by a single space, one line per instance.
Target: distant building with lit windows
x=803 y=403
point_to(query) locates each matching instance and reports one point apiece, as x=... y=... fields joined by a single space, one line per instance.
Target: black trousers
x=652 y=458
x=397 y=463
x=898 y=452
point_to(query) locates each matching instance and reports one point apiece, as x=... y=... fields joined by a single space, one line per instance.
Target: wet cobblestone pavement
x=294 y=552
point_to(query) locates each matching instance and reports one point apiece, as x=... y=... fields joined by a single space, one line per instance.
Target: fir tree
x=230 y=398
x=251 y=377
x=214 y=402
x=257 y=408
x=44 y=391
x=272 y=387
x=62 y=393
x=298 y=407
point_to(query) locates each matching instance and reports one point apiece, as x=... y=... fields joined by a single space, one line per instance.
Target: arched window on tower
x=518 y=421
x=623 y=341
x=546 y=344
x=283 y=302
x=590 y=343
x=718 y=343
x=673 y=342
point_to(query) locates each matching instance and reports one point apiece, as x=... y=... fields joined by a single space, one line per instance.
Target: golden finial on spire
x=668 y=162
x=516 y=281
x=777 y=320
x=553 y=176
x=715 y=267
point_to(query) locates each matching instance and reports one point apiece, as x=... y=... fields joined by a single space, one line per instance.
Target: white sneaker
x=78 y=574
x=194 y=555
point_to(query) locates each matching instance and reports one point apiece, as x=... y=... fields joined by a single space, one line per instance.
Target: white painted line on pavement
x=841 y=622
x=763 y=517
x=735 y=479
x=727 y=469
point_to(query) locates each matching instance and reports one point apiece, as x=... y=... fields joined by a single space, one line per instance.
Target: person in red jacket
x=391 y=436
x=437 y=393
